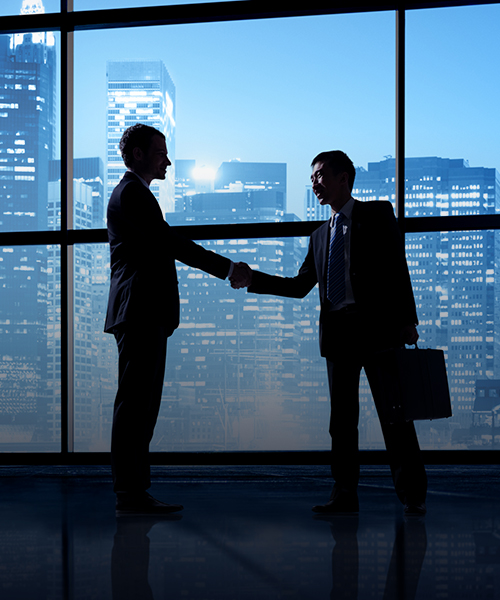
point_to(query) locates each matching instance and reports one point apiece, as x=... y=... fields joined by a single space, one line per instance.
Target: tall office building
x=185 y=183
x=453 y=279
x=140 y=91
x=313 y=210
x=27 y=143
x=235 y=176
x=90 y=273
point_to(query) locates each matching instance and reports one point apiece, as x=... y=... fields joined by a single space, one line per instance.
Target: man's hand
x=409 y=335
x=241 y=276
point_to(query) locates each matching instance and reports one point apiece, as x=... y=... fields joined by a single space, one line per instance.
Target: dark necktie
x=335 y=283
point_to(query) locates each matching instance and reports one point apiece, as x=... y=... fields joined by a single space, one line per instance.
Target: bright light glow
x=203 y=173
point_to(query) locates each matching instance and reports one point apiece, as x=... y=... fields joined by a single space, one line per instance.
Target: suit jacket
x=144 y=287
x=378 y=271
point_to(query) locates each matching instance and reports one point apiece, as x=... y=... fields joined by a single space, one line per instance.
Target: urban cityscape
x=243 y=371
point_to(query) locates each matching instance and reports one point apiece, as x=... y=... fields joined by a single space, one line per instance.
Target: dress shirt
x=346 y=211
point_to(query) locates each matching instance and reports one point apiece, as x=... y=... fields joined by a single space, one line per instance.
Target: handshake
x=241 y=276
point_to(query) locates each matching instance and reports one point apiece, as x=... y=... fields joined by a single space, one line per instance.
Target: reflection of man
x=367 y=305
x=143 y=309
x=408 y=554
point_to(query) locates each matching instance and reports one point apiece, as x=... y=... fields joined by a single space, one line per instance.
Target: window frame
x=66 y=22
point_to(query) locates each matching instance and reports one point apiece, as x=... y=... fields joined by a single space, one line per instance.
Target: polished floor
x=247 y=533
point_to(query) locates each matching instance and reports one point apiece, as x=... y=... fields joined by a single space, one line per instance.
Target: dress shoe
x=417 y=509
x=143 y=504
x=342 y=504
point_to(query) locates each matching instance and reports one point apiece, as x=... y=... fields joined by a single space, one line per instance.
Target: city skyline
x=282 y=90
x=246 y=368
x=251 y=90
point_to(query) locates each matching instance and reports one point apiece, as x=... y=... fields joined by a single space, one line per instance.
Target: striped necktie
x=335 y=283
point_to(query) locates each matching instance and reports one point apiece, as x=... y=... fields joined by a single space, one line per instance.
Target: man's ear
x=344 y=178
x=138 y=154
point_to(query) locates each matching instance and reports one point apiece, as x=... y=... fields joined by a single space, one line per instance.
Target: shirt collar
x=143 y=181
x=346 y=210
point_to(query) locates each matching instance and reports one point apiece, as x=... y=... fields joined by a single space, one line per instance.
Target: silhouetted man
x=367 y=305
x=143 y=310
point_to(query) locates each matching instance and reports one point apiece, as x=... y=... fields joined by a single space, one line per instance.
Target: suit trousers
x=142 y=354
x=356 y=341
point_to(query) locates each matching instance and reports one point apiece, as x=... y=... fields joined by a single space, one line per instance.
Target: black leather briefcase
x=409 y=385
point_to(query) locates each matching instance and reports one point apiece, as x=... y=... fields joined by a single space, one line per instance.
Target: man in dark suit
x=143 y=310
x=367 y=305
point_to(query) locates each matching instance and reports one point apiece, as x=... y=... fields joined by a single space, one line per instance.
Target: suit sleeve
x=152 y=236
x=290 y=287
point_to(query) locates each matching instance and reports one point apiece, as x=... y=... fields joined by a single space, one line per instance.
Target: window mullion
x=67 y=263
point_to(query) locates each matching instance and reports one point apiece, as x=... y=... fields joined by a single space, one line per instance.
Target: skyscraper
x=90 y=273
x=140 y=91
x=27 y=143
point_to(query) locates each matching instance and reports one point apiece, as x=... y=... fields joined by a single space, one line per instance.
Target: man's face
x=154 y=162
x=328 y=188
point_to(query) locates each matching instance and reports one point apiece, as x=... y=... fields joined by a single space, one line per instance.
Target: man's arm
x=290 y=287
x=148 y=237
x=194 y=255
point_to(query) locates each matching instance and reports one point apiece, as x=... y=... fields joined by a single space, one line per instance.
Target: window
x=452 y=122
x=245 y=105
x=30 y=361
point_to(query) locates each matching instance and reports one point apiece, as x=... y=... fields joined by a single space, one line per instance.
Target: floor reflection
x=407 y=557
x=403 y=573
x=130 y=557
x=239 y=540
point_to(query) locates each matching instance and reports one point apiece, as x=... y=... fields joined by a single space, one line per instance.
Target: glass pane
x=255 y=92
x=452 y=119
x=30 y=357
x=457 y=304
x=28 y=7
x=95 y=355
x=243 y=371
x=88 y=194
x=28 y=130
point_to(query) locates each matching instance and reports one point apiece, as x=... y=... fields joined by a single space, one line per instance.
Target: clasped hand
x=241 y=276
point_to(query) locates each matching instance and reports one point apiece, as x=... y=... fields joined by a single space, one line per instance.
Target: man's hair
x=338 y=162
x=136 y=136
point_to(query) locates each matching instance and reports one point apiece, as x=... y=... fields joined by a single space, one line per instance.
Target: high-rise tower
x=27 y=143
x=140 y=92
